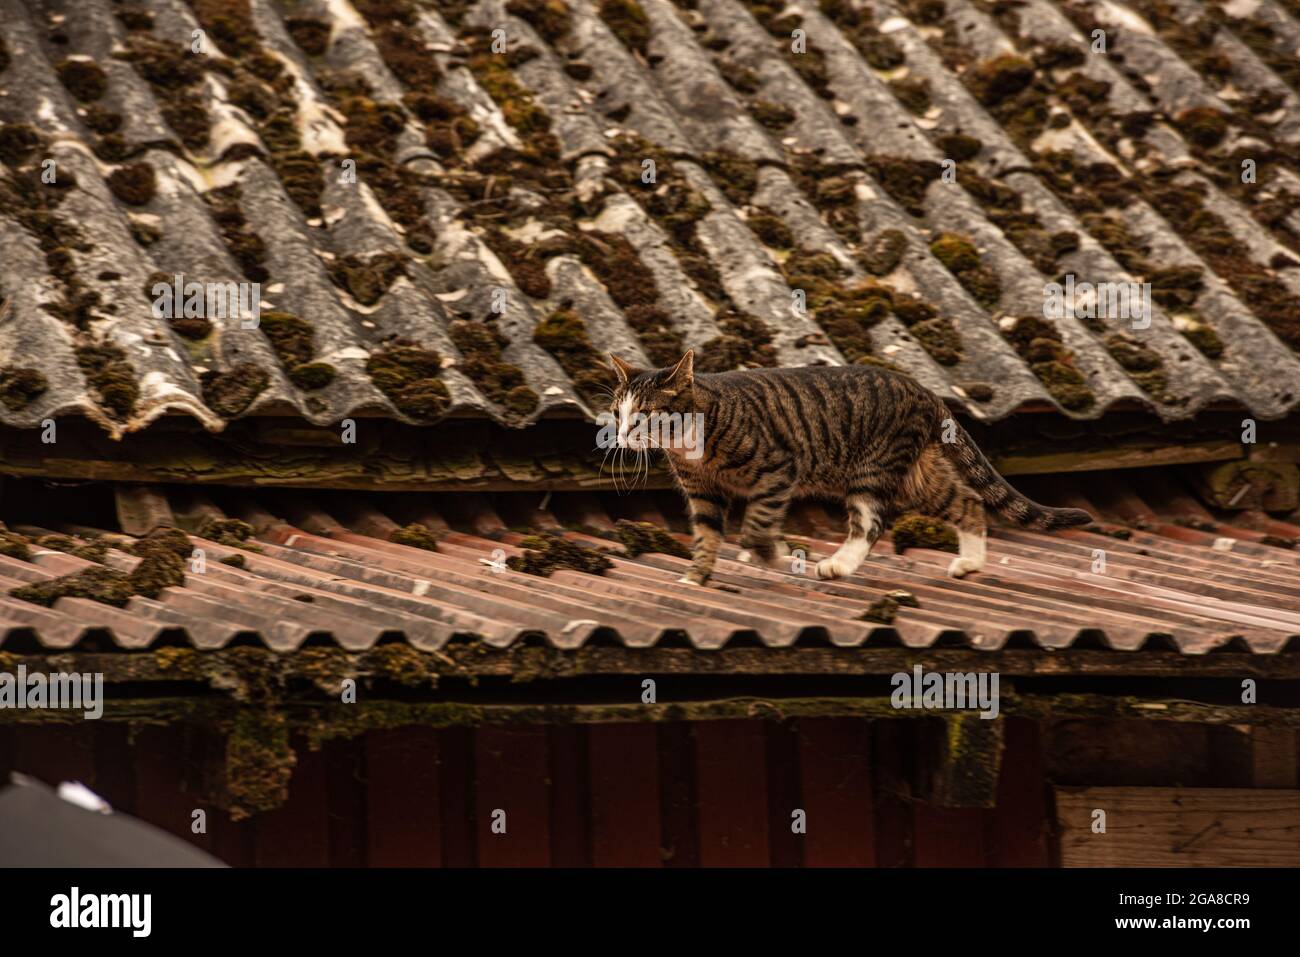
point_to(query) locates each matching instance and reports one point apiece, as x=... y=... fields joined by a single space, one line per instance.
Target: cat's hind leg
x=865 y=527
x=967 y=514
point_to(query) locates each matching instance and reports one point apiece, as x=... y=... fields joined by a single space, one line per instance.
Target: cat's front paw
x=691 y=578
x=829 y=568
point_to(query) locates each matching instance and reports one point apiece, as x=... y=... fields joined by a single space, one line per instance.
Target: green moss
x=84 y=79
x=906 y=180
x=959 y=255
x=922 y=531
x=735 y=175
x=627 y=21
x=101 y=120
x=259 y=762
x=311 y=35
x=290 y=336
x=13 y=545
x=17 y=141
x=992 y=81
x=310 y=376
x=771 y=116
x=744 y=341
x=770 y=229
x=940 y=339
x=959 y=146
x=112 y=377
x=1204 y=338
x=880 y=50
x=1203 y=126
x=885 y=609
x=134 y=185
x=448 y=126
x=978 y=391
x=641 y=537
x=367 y=279
x=564 y=335
x=160 y=566
x=884 y=252
x=544 y=553
x=227 y=531
x=550 y=18
x=229 y=393
x=416 y=536
x=20 y=385
x=408 y=374
x=94 y=550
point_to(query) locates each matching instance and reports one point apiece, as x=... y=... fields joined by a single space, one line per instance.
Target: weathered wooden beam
x=1127 y=456
x=965 y=760
x=1248 y=484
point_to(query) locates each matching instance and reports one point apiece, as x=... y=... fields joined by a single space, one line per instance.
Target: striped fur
x=862 y=435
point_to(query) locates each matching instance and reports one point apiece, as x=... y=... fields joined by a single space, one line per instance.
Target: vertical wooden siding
x=718 y=793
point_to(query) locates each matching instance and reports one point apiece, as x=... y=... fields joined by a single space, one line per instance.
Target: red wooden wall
x=718 y=793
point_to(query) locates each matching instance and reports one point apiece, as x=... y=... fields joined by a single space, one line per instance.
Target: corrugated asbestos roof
x=1180 y=580
x=1108 y=166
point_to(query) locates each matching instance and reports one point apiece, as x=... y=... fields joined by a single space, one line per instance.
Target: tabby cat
x=869 y=437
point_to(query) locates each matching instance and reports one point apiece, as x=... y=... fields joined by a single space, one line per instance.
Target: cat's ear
x=682 y=374
x=622 y=369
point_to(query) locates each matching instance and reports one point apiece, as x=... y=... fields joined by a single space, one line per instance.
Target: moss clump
x=13 y=545
x=367 y=279
x=408 y=374
x=502 y=382
x=311 y=35
x=107 y=371
x=416 y=536
x=627 y=21
x=979 y=391
x=1203 y=126
x=745 y=341
x=993 y=81
x=884 y=252
x=98 y=584
x=229 y=393
x=259 y=762
x=17 y=141
x=20 y=385
x=1039 y=343
x=922 y=531
x=771 y=116
x=959 y=146
x=290 y=336
x=235 y=561
x=913 y=93
x=564 y=335
x=135 y=184
x=770 y=229
x=959 y=255
x=906 y=180
x=244 y=246
x=641 y=537
x=161 y=566
x=881 y=51
x=448 y=127
x=550 y=18
x=227 y=531
x=939 y=337
x=1203 y=337
x=310 y=376
x=174 y=73
x=544 y=553
x=84 y=79
x=736 y=176
x=885 y=609
x=93 y=550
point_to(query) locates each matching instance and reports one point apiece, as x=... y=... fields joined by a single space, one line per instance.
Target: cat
x=869 y=437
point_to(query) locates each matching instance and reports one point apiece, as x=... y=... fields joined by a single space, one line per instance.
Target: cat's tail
x=997 y=492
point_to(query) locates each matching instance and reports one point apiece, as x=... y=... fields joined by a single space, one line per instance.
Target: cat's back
x=834 y=384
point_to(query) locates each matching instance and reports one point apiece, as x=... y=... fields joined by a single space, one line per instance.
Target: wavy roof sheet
x=1111 y=166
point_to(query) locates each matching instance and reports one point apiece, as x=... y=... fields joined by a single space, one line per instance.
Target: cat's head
x=647 y=391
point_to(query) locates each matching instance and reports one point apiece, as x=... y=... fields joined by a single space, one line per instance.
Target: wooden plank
x=948 y=836
x=892 y=745
x=678 y=790
x=1179 y=827
x=1273 y=757
x=571 y=810
x=297 y=834
x=835 y=778
x=403 y=798
x=510 y=769
x=784 y=793
x=115 y=762
x=345 y=760
x=456 y=793
x=626 y=825
x=1117 y=457
x=55 y=753
x=731 y=773
x=166 y=794
x=1016 y=830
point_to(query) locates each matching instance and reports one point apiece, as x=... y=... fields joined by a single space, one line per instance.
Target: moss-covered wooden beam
x=234 y=668
x=966 y=761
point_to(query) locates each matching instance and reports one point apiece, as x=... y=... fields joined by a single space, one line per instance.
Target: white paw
x=746 y=556
x=833 y=568
x=687 y=581
x=963 y=566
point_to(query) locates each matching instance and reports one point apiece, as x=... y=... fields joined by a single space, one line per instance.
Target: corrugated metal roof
x=1107 y=166
x=1179 y=580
